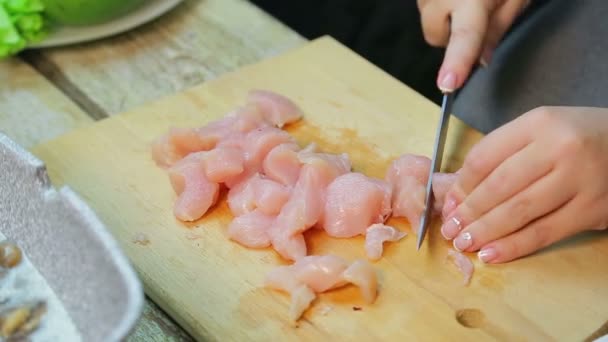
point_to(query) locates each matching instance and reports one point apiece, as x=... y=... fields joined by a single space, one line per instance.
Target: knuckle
x=542 y=115
x=540 y=237
x=474 y=164
x=466 y=33
x=498 y=182
x=570 y=142
x=520 y=211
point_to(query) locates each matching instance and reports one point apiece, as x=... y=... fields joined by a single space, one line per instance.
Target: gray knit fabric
x=559 y=56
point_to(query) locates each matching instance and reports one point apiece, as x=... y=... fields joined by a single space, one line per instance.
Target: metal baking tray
x=69 y=247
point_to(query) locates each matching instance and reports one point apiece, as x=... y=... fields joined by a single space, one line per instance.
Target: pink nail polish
x=486 y=56
x=451 y=228
x=448 y=82
x=487 y=254
x=463 y=241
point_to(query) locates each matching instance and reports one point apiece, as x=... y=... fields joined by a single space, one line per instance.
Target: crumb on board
x=141 y=239
x=357 y=308
x=193 y=236
x=324 y=310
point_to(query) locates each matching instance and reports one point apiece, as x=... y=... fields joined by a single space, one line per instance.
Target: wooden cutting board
x=213 y=286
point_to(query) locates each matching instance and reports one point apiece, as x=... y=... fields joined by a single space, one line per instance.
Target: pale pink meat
x=281 y=164
x=290 y=247
x=259 y=142
x=464 y=265
x=340 y=163
x=179 y=142
x=319 y=273
x=223 y=163
x=353 y=202
x=248 y=118
x=277 y=109
x=305 y=206
x=257 y=192
x=270 y=196
x=251 y=229
x=376 y=235
x=361 y=274
x=241 y=198
x=175 y=145
x=409 y=174
x=196 y=194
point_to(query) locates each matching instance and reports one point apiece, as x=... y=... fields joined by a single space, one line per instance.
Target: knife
x=440 y=137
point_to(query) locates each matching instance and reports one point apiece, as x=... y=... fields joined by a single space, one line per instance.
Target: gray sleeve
x=558 y=56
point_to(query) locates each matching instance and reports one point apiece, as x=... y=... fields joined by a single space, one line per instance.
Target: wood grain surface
x=212 y=286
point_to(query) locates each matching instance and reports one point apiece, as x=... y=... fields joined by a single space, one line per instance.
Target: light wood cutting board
x=213 y=286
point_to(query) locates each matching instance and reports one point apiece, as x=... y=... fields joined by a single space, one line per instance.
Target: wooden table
x=46 y=93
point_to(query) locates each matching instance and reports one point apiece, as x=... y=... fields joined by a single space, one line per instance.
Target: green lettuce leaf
x=21 y=23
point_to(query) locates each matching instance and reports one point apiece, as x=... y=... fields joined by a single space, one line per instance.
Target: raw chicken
x=196 y=193
x=251 y=229
x=270 y=196
x=241 y=197
x=282 y=164
x=320 y=273
x=223 y=163
x=464 y=265
x=305 y=206
x=277 y=109
x=361 y=274
x=290 y=247
x=179 y=142
x=346 y=214
x=409 y=174
x=257 y=192
x=261 y=141
x=248 y=118
x=263 y=109
x=375 y=237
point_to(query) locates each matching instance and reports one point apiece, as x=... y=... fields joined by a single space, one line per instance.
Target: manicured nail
x=483 y=62
x=486 y=57
x=487 y=254
x=463 y=241
x=448 y=82
x=451 y=228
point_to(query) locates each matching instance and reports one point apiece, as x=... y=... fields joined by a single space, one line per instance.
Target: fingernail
x=483 y=62
x=463 y=241
x=448 y=82
x=486 y=57
x=450 y=228
x=487 y=254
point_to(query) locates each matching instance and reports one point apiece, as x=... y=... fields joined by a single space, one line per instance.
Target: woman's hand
x=532 y=182
x=469 y=28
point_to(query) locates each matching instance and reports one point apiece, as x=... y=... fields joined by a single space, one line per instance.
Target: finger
x=515 y=174
x=493 y=150
x=467 y=32
x=435 y=20
x=552 y=228
x=536 y=201
x=500 y=22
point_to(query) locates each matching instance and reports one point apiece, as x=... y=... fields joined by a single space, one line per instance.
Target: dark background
x=385 y=32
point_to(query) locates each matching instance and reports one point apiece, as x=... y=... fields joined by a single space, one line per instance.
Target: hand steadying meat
x=471 y=30
x=530 y=183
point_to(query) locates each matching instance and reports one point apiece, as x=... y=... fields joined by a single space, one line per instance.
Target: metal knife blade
x=442 y=129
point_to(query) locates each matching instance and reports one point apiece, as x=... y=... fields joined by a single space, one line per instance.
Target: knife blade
x=440 y=137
